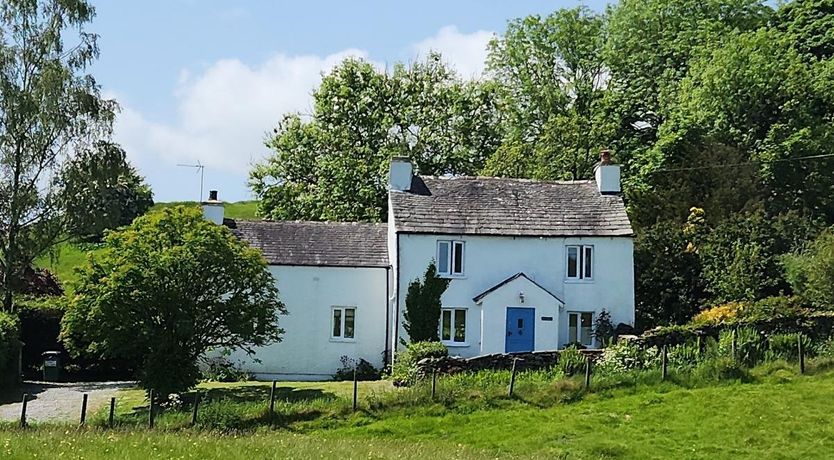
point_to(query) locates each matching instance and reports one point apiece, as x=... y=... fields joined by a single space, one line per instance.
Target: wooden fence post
x=801 y=354
x=355 y=389
x=195 y=408
x=512 y=378
x=23 y=410
x=664 y=364
x=110 y=418
x=150 y=409
x=587 y=372
x=433 y=382
x=272 y=400
x=83 y=408
x=734 y=344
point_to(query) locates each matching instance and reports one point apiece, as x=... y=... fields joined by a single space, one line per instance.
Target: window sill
x=341 y=340
x=455 y=344
x=452 y=277
x=579 y=281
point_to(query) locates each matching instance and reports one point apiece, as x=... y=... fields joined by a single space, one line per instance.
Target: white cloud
x=224 y=112
x=466 y=52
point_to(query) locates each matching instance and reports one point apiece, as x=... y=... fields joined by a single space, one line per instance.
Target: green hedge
x=9 y=349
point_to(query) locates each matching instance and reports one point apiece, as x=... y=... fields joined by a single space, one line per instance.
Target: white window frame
x=582 y=263
x=578 y=315
x=450 y=259
x=342 y=322
x=451 y=342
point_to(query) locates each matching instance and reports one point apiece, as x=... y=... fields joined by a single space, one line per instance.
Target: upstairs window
x=580 y=262
x=344 y=322
x=453 y=325
x=450 y=258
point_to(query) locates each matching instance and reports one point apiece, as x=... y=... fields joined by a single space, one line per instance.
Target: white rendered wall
x=492 y=259
x=307 y=352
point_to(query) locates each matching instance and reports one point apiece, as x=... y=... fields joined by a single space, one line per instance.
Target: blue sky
x=201 y=80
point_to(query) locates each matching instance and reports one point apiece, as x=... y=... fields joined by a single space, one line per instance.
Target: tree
x=422 y=306
x=49 y=108
x=552 y=80
x=167 y=289
x=811 y=271
x=103 y=191
x=334 y=165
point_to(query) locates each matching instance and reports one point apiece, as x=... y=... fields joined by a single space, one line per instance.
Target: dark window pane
x=572 y=328
x=350 y=318
x=573 y=260
x=446 y=325
x=443 y=257
x=337 y=323
x=588 y=260
x=458 y=259
x=460 y=325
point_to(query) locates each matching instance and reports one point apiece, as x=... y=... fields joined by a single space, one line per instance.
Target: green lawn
x=783 y=416
x=66 y=256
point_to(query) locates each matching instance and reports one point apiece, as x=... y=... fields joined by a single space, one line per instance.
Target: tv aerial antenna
x=201 y=169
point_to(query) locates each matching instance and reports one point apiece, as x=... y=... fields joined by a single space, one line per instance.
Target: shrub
x=720 y=314
x=786 y=346
x=626 y=356
x=603 y=328
x=221 y=369
x=364 y=370
x=773 y=308
x=571 y=361
x=404 y=371
x=750 y=345
x=9 y=343
x=683 y=357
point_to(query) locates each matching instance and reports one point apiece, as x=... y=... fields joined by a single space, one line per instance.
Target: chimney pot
x=212 y=195
x=605 y=157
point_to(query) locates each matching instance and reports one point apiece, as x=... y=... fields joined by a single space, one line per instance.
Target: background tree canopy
x=720 y=111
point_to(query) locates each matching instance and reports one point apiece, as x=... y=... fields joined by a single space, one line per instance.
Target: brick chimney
x=213 y=208
x=400 y=173
x=607 y=174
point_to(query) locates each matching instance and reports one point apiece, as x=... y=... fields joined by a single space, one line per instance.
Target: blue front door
x=521 y=329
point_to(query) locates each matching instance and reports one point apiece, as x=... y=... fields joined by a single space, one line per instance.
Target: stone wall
x=499 y=361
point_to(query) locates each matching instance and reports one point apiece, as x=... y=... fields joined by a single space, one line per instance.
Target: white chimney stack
x=607 y=175
x=213 y=208
x=400 y=174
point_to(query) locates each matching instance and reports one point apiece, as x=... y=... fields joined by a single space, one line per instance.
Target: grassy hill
x=66 y=256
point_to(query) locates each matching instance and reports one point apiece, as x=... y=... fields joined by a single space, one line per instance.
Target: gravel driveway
x=61 y=402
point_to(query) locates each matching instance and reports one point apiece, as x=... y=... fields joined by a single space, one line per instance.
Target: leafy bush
x=683 y=357
x=364 y=370
x=404 y=371
x=9 y=343
x=571 y=361
x=786 y=346
x=221 y=369
x=626 y=356
x=720 y=314
x=603 y=328
x=750 y=346
x=811 y=273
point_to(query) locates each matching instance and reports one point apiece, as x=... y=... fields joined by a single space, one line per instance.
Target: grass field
x=66 y=256
x=783 y=415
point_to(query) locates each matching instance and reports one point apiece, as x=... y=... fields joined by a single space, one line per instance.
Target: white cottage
x=531 y=263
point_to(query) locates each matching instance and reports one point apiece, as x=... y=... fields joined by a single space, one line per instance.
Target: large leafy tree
x=166 y=290
x=333 y=165
x=552 y=80
x=49 y=107
x=102 y=191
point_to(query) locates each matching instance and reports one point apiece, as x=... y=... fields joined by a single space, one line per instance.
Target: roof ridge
x=511 y=179
x=314 y=222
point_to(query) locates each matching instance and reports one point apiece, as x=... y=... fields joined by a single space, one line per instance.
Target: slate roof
x=337 y=244
x=512 y=207
x=489 y=291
